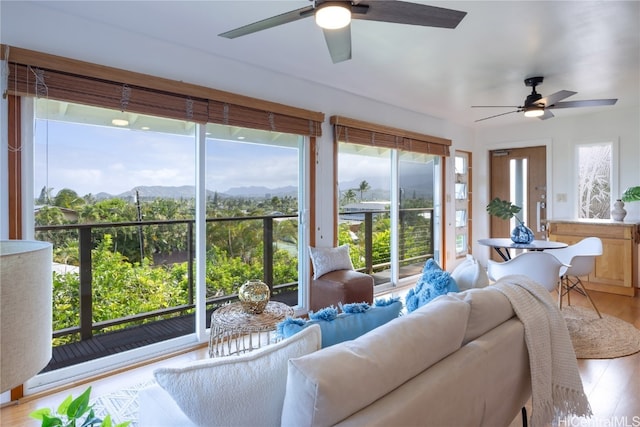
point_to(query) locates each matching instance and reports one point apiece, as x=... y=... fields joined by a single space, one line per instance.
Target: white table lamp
x=25 y=310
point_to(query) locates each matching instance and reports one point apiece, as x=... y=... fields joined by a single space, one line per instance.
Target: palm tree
x=349 y=196
x=364 y=186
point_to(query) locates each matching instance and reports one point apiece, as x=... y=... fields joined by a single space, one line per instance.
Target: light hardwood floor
x=612 y=385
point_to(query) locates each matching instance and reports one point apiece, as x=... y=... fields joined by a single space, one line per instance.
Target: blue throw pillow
x=433 y=283
x=355 y=320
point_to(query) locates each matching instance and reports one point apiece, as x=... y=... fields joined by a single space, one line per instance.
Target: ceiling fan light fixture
x=333 y=15
x=534 y=112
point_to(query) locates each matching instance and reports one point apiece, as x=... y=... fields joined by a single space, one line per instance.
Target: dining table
x=503 y=245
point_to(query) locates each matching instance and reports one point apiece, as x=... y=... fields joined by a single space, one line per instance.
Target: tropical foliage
x=72 y=411
x=503 y=209
x=140 y=249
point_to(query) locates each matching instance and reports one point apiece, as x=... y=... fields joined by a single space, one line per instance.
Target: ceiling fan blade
x=547 y=115
x=264 y=24
x=339 y=43
x=585 y=103
x=555 y=97
x=401 y=12
x=496 y=106
x=498 y=115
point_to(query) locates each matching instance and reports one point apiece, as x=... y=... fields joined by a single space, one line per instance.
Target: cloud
x=94 y=159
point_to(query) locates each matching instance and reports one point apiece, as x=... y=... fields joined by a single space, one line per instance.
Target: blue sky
x=93 y=159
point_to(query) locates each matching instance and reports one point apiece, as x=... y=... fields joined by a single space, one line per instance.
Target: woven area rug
x=595 y=338
x=122 y=405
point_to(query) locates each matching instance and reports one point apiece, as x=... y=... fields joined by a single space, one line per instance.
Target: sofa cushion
x=433 y=283
x=345 y=326
x=322 y=392
x=325 y=260
x=470 y=274
x=237 y=390
x=489 y=308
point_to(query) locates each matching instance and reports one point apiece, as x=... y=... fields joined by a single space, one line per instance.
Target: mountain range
x=188 y=192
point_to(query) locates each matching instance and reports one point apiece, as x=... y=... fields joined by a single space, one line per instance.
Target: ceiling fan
x=537 y=106
x=334 y=17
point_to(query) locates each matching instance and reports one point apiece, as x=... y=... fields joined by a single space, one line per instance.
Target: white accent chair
x=582 y=259
x=540 y=267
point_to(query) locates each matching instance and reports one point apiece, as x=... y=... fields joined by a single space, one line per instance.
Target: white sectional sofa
x=460 y=360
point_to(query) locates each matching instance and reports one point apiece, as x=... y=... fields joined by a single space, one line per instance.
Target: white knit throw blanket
x=556 y=386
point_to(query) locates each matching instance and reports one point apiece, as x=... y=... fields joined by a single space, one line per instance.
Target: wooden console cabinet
x=616 y=271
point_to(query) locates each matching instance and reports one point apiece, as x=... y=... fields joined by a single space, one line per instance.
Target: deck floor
x=109 y=343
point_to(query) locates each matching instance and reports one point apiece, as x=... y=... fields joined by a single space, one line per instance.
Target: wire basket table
x=235 y=332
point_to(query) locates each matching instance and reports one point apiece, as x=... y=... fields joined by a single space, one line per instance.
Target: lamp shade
x=25 y=310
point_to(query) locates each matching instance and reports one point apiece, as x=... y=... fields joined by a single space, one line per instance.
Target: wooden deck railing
x=87 y=327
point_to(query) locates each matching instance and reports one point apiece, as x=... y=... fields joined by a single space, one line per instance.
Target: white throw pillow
x=469 y=274
x=326 y=260
x=245 y=390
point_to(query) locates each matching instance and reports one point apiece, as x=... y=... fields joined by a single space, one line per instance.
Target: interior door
x=520 y=176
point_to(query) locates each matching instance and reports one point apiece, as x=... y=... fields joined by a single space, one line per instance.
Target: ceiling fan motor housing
x=535 y=96
x=532 y=99
x=533 y=81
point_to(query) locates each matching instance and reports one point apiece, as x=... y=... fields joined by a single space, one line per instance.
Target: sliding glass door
x=387 y=210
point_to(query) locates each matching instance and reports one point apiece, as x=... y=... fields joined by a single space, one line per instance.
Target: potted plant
x=631 y=194
x=74 y=412
x=504 y=209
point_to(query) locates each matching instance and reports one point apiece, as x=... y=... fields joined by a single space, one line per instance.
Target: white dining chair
x=582 y=260
x=539 y=266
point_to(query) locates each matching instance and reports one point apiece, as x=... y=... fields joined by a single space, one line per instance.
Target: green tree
x=67 y=198
x=349 y=196
x=362 y=188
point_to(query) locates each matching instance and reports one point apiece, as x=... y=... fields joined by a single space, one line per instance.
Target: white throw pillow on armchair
x=326 y=260
x=470 y=274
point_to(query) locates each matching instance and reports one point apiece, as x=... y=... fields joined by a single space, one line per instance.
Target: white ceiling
x=592 y=48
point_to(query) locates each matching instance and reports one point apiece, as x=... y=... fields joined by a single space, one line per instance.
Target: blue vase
x=522 y=234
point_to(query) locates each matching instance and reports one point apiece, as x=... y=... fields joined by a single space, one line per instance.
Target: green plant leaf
x=39 y=414
x=51 y=421
x=79 y=405
x=92 y=420
x=503 y=209
x=631 y=194
x=64 y=405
